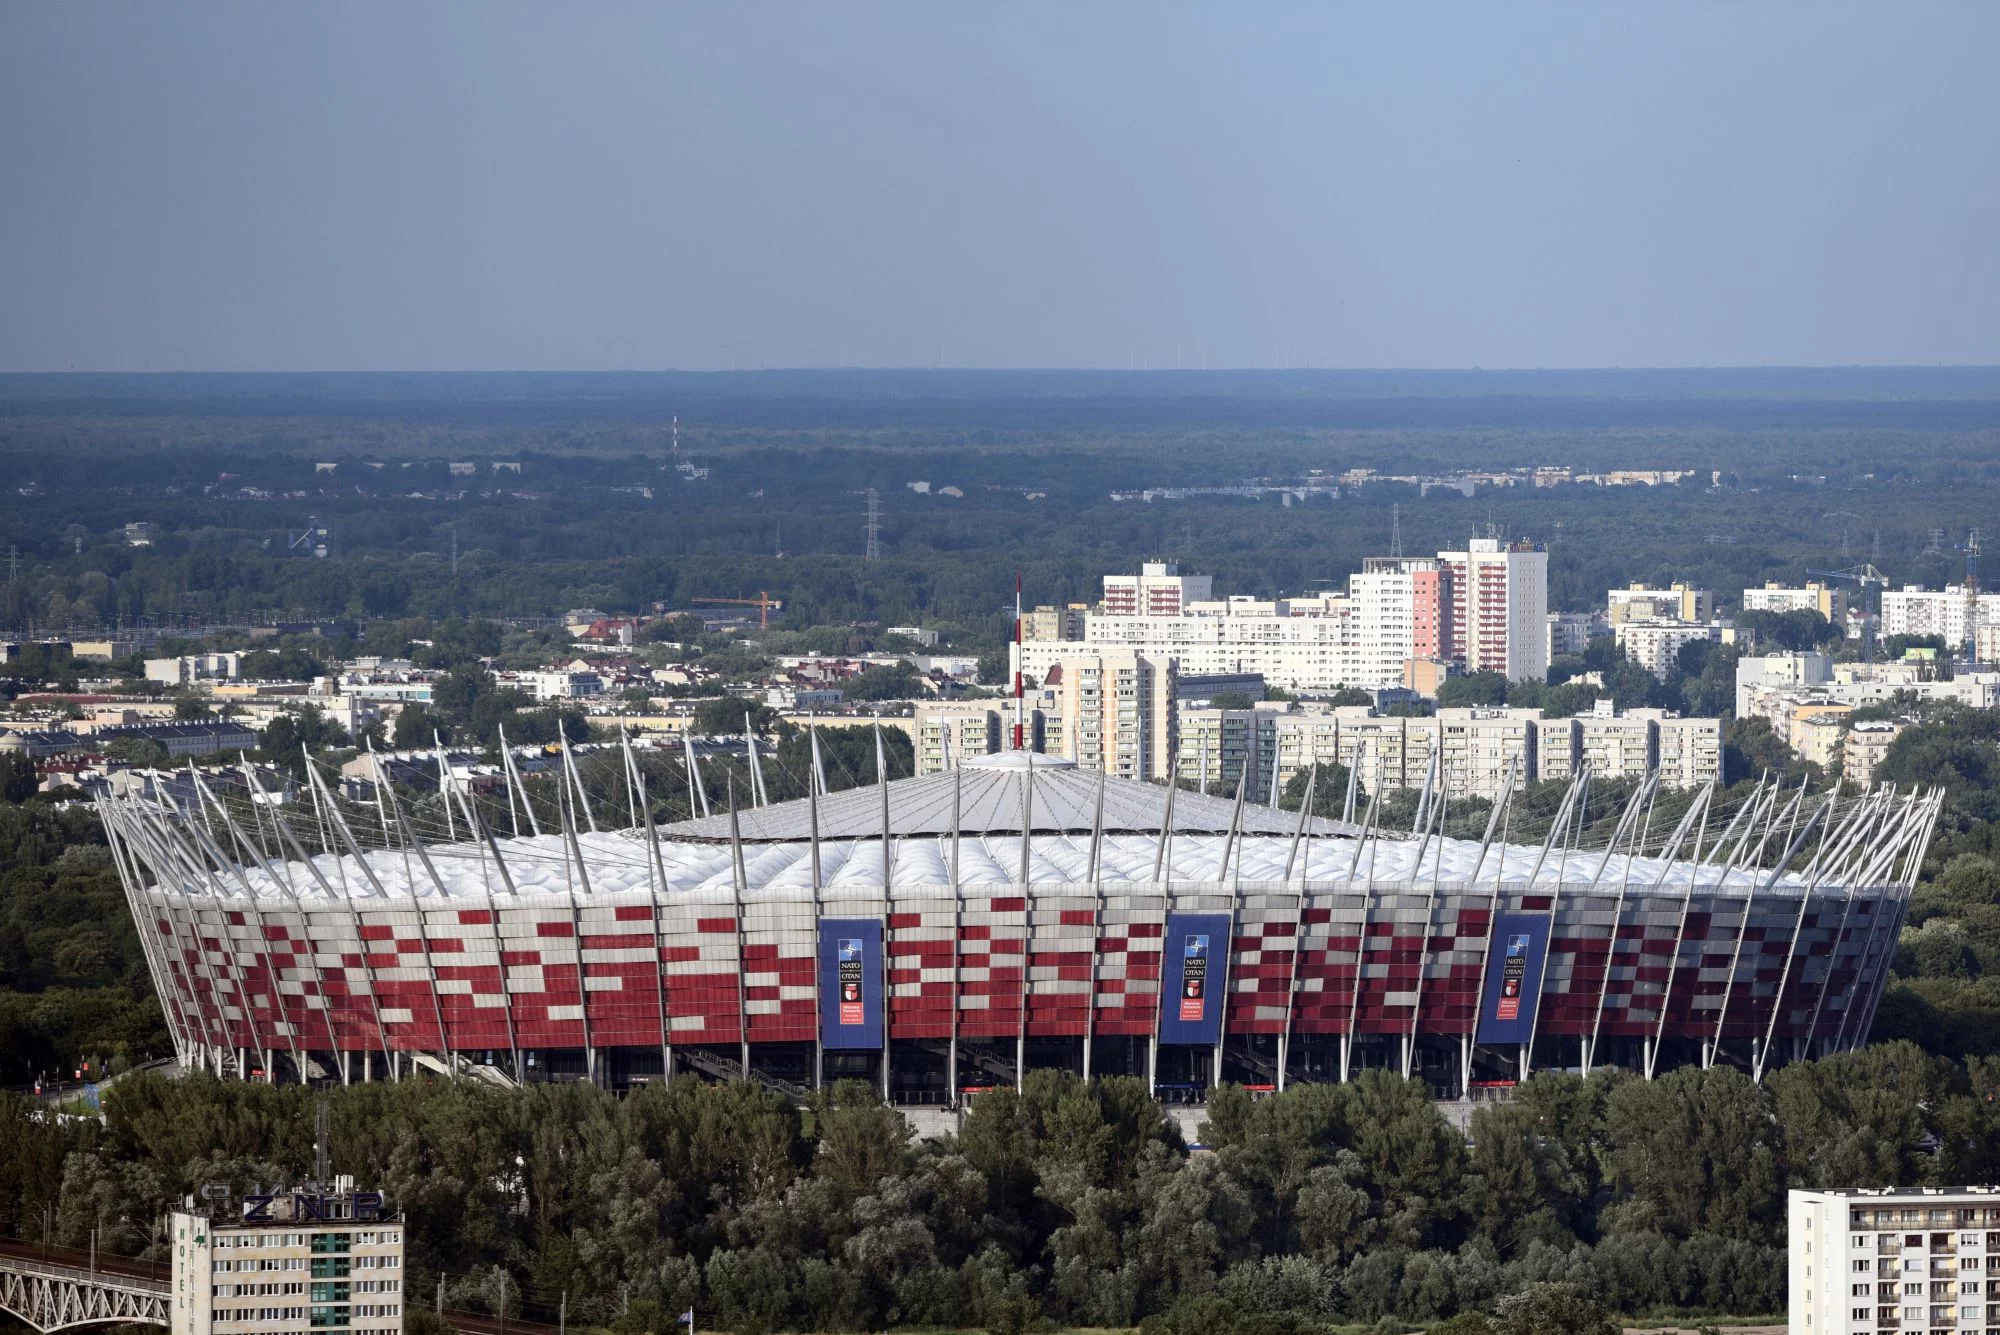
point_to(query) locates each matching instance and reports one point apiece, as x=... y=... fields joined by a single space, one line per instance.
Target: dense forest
x=231 y=471
x=1068 y=1203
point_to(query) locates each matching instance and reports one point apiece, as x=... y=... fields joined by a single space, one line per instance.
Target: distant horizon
x=808 y=368
x=895 y=186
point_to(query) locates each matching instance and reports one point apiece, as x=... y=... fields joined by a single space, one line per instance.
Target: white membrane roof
x=616 y=864
x=1000 y=792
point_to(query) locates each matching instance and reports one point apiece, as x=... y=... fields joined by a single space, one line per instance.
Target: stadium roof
x=1000 y=794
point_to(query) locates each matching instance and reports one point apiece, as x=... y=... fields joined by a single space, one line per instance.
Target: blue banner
x=850 y=982
x=1192 y=973
x=1514 y=955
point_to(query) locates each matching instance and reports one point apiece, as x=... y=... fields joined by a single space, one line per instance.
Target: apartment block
x=1783 y=670
x=1687 y=751
x=1677 y=602
x=287 y=1263
x=1916 y=611
x=1221 y=748
x=1656 y=645
x=1570 y=633
x=1482 y=749
x=1824 y=599
x=1117 y=711
x=1499 y=607
x=189 y=668
x=1882 y=1259
x=953 y=730
x=1054 y=623
x=1158 y=590
x=1867 y=743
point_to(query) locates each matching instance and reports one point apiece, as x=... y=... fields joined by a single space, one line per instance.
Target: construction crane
x=1867 y=576
x=763 y=602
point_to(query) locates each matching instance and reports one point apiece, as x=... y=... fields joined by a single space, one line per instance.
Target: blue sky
x=441 y=186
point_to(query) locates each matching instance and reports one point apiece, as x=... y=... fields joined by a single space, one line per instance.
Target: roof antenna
x=322 y=1169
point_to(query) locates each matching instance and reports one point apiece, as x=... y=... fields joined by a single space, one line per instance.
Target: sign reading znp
x=298 y=1206
x=850 y=983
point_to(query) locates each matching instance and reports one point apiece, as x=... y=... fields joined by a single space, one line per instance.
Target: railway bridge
x=55 y=1295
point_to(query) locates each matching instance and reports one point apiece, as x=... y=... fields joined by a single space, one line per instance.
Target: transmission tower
x=13 y=565
x=1972 y=597
x=874 y=525
x=1396 y=530
x=1936 y=545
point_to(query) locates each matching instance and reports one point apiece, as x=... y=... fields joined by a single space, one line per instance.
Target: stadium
x=941 y=934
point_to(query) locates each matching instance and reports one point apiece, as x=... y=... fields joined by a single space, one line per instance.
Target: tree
x=18 y=779
x=1700 y=1149
x=418 y=729
x=305 y=729
x=139 y=752
x=288 y=664
x=1475 y=688
x=192 y=709
x=1231 y=700
x=1552 y=1309
x=1329 y=785
x=897 y=681
x=725 y=717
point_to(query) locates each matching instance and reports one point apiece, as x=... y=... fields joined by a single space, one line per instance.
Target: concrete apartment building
x=1112 y=710
x=290 y=1263
x=1118 y=711
x=1054 y=623
x=1158 y=590
x=1481 y=609
x=1881 y=1259
x=1686 y=751
x=190 y=668
x=1302 y=646
x=1916 y=611
x=1570 y=633
x=1867 y=743
x=1656 y=645
x=950 y=730
x=1499 y=607
x=1824 y=599
x=1779 y=670
x=1677 y=602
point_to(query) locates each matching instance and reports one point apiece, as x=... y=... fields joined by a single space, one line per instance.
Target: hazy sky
x=481 y=186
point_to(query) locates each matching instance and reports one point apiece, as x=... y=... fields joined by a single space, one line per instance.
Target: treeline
x=1071 y=1202
x=73 y=979
x=782 y=511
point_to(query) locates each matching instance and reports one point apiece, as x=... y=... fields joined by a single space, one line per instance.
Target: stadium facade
x=937 y=934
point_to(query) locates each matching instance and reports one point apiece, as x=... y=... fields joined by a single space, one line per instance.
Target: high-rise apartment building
x=948 y=731
x=1054 y=623
x=1499 y=607
x=1677 y=602
x=1914 y=611
x=1159 y=590
x=1483 y=608
x=287 y=1263
x=1117 y=710
x=1824 y=599
x=1883 y=1259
